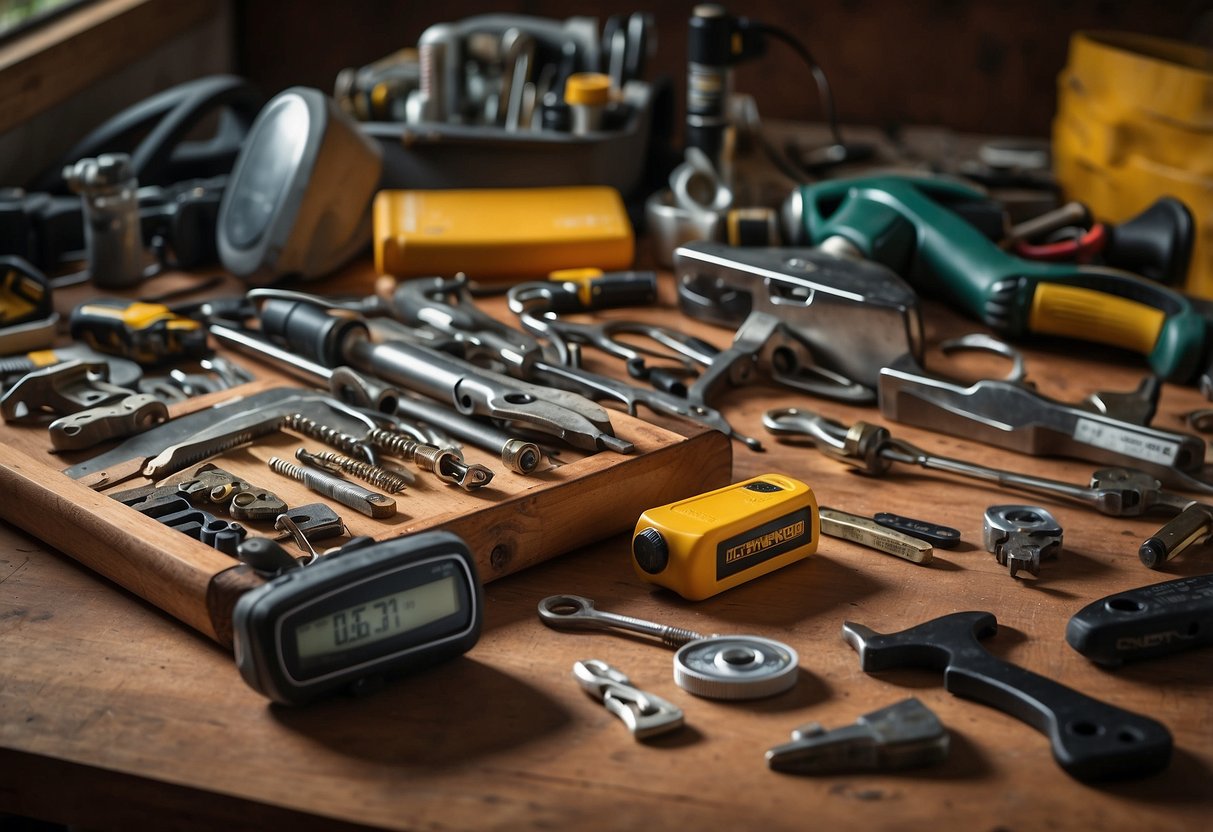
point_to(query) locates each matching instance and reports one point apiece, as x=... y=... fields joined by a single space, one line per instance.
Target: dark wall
x=974 y=65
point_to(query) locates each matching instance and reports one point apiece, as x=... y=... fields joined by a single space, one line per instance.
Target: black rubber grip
x=1146 y=622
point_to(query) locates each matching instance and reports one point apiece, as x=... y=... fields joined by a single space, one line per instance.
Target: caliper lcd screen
x=392 y=613
x=377 y=619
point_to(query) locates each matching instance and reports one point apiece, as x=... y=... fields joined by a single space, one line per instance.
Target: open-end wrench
x=1091 y=740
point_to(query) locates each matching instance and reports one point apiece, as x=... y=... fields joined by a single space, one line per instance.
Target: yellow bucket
x=1134 y=123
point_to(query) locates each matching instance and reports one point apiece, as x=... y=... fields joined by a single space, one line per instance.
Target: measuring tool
x=714 y=667
x=148 y=333
x=355 y=618
x=714 y=541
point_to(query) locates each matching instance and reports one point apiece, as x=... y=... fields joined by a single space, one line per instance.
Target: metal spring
x=445 y=464
x=347 y=493
x=396 y=444
x=373 y=474
x=322 y=433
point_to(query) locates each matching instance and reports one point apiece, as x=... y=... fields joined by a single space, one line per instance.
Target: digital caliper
x=356 y=618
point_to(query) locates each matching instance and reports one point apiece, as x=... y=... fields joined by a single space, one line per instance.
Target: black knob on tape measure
x=650 y=550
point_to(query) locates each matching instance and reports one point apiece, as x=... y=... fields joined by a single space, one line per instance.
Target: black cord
x=819 y=76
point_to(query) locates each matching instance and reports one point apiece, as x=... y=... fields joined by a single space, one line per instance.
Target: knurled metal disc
x=735 y=667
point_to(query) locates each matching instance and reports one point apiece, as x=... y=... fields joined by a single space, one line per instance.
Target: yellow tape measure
x=714 y=541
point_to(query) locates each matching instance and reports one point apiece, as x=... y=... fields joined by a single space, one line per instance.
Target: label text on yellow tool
x=760 y=544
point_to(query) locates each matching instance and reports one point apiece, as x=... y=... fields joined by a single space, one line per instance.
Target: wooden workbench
x=114 y=715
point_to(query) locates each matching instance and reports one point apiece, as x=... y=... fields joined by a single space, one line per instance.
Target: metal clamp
x=853 y=317
x=645 y=714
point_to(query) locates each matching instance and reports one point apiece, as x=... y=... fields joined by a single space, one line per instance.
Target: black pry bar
x=942 y=537
x=1146 y=622
x=1091 y=740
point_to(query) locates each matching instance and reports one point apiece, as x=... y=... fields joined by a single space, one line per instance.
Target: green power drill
x=906 y=223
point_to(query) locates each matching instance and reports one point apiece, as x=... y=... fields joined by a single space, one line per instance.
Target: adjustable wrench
x=1091 y=740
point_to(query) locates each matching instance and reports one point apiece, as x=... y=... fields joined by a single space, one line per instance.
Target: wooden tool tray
x=514 y=522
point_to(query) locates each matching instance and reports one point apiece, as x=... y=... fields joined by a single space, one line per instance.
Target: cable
x=819 y=76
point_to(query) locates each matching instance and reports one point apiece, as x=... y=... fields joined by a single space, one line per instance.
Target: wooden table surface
x=115 y=715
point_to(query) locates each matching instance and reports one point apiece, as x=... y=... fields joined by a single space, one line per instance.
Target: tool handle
x=1117 y=309
x=906 y=224
x=1091 y=740
x=1146 y=622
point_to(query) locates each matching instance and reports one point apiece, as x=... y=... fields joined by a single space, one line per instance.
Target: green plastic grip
x=906 y=223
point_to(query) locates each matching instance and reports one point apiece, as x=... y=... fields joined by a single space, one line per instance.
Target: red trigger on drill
x=1082 y=249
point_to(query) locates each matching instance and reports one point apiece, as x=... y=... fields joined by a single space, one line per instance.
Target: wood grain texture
x=56 y=61
x=91 y=677
x=515 y=522
x=170 y=570
x=504 y=738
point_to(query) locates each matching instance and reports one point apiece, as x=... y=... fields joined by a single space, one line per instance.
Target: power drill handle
x=905 y=223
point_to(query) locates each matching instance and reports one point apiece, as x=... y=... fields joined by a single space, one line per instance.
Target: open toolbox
x=571 y=500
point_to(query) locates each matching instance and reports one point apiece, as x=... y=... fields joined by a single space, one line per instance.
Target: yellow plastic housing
x=717 y=540
x=501 y=232
x=1075 y=312
x=1135 y=123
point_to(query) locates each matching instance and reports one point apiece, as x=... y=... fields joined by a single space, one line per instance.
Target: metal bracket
x=1021 y=536
x=903 y=735
x=60 y=390
x=82 y=430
